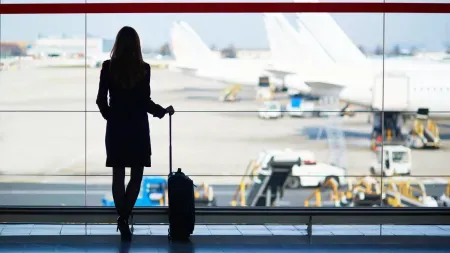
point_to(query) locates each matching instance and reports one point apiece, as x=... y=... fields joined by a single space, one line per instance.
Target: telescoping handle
x=170 y=144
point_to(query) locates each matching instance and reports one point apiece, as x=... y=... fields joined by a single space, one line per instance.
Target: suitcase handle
x=170 y=147
x=170 y=143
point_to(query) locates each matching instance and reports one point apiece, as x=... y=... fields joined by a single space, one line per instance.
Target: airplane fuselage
x=233 y=71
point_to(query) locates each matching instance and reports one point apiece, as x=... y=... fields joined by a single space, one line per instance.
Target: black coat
x=127 y=136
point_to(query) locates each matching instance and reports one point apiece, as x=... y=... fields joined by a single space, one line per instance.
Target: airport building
x=68 y=46
x=253 y=53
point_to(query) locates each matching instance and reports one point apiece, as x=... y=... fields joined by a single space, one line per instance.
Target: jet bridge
x=268 y=183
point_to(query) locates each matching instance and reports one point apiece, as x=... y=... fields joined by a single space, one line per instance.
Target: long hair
x=127 y=66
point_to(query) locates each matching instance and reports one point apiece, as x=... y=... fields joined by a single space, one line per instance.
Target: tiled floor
x=236 y=248
x=268 y=230
x=227 y=238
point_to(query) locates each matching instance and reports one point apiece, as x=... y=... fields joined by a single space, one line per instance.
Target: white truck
x=306 y=172
x=310 y=173
x=270 y=110
x=392 y=160
x=306 y=109
x=299 y=107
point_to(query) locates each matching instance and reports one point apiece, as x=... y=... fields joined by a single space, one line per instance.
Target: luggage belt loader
x=424 y=137
x=367 y=191
x=264 y=185
x=444 y=199
x=230 y=93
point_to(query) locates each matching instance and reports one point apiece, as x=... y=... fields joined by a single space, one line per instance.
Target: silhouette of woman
x=127 y=78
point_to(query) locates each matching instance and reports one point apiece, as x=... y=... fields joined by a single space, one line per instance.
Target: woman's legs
x=124 y=200
x=133 y=188
x=118 y=190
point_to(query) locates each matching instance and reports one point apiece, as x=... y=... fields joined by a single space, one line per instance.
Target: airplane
x=193 y=56
x=323 y=57
x=327 y=67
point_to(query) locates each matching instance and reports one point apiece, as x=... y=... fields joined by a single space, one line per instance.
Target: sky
x=428 y=31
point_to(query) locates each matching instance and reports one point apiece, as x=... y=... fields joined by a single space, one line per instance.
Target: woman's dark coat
x=127 y=136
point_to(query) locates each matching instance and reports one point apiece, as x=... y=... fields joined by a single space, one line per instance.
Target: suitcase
x=181 y=200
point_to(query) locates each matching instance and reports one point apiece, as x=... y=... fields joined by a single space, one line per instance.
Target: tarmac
x=51 y=132
x=37 y=194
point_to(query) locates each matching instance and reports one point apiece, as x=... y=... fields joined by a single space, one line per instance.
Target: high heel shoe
x=122 y=225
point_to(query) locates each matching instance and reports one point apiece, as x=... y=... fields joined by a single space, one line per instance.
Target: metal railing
x=233 y=215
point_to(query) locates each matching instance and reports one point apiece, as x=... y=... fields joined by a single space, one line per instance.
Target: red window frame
x=85 y=8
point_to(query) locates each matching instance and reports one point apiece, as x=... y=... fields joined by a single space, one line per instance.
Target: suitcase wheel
x=177 y=238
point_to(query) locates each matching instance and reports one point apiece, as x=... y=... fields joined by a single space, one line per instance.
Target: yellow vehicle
x=368 y=191
x=230 y=93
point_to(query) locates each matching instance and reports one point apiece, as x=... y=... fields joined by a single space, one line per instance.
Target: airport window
x=246 y=88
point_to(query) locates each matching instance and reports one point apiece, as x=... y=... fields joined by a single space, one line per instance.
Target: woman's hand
x=170 y=110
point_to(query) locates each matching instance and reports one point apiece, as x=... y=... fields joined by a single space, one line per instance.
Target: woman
x=127 y=78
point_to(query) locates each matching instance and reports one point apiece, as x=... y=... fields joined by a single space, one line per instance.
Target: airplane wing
x=183 y=68
x=279 y=71
x=324 y=89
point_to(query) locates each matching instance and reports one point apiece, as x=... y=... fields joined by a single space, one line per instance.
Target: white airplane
x=322 y=56
x=192 y=55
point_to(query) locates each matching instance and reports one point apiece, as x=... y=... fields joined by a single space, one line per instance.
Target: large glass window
x=312 y=109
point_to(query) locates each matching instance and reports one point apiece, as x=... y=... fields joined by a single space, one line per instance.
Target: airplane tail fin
x=187 y=47
x=330 y=36
x=291 y=48
x=300 y=53
x=281 y=49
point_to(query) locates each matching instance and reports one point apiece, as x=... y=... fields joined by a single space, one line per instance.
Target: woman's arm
x=152 y=108
x=102 y=95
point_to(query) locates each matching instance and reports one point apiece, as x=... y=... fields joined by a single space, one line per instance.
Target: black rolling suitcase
x=181 y=200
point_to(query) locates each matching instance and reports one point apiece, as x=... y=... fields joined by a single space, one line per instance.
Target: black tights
x=124 y=200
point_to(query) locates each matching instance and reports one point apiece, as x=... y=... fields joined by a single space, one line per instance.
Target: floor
x=226 y=238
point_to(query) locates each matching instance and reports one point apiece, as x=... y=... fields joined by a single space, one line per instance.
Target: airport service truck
x=264 y=91
x=299 y=106
x=154 y=193
x=310 y=173
x=305 y=171
x=392 y=160
x=394 y=102
x=270 y=110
